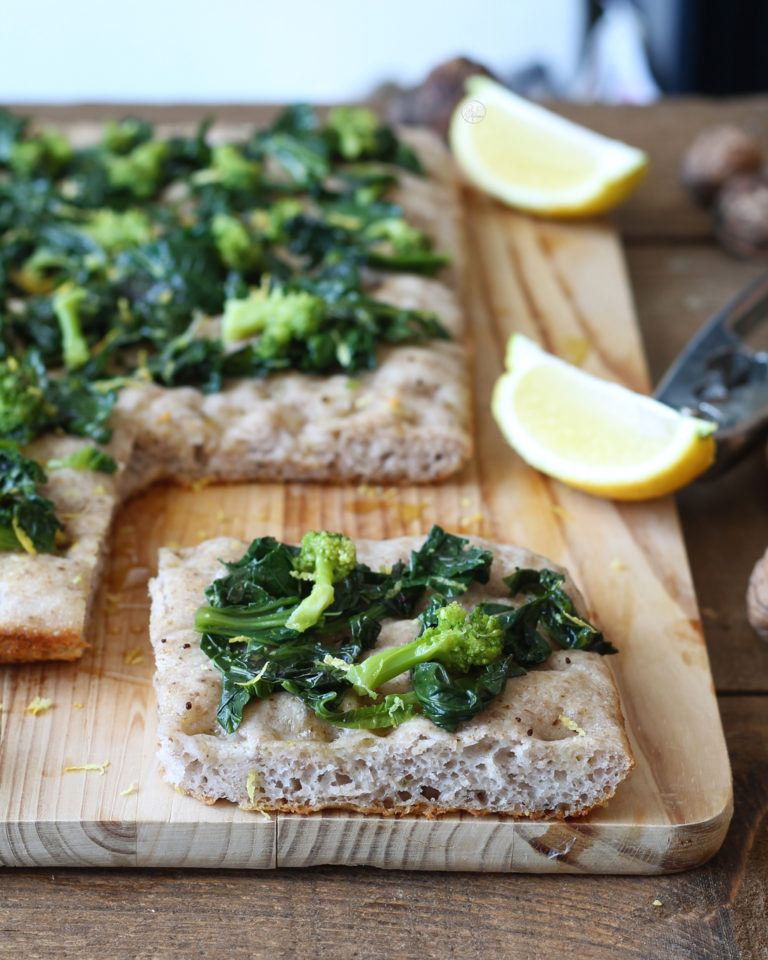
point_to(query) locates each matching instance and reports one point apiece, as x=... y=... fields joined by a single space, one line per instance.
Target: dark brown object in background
x=716 y=155
x=431 y=103
x=741 y=215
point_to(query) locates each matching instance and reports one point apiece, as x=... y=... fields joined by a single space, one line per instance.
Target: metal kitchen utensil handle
x=718 y=377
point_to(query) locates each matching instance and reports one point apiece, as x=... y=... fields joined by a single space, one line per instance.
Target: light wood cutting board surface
x=566 y=286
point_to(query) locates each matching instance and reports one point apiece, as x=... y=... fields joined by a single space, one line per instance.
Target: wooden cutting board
x=567 y=287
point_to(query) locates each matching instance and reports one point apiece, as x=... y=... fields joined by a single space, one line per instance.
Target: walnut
x=431 y=103
x=717 y=154
x=741 y=215
x=757 y=597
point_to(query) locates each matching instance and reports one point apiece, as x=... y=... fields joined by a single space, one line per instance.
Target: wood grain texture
x=714 y=912
x=567 y=287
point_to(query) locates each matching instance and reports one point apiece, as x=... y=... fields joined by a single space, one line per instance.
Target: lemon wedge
x=595 y=435
x=535 y=160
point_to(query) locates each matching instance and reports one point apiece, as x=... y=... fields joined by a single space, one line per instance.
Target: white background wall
x=236 y=50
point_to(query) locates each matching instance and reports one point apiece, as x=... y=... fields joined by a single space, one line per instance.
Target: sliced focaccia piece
x=409 y=420
x=552 y=744
x=45 y=598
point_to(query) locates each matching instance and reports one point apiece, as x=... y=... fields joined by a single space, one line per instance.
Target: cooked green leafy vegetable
x=122 y=246
x=31 y=402
x=110 y=255
x=458 y=663
x=27 y=519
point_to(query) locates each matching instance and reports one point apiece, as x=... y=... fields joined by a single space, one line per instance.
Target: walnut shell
x=741 y=215
x=431 y=103
x=757 y=597
x=717 y=154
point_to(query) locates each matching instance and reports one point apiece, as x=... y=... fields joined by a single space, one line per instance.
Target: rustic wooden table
x=720 y=910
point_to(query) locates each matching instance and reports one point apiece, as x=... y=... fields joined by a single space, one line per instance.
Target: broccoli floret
x=232 y=169
x=236 y=246
x=401 y=236
x=27 y=519
x=47 y=154
x=66 y=305
x=457 y=641
x=139 y=171
x=273 y=222
x=355 y=128
x=122 y=136
x=325 y=558
x=116 y=231
x=278 y=315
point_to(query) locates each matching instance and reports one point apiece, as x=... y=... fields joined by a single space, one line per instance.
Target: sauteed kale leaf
x=27 y=519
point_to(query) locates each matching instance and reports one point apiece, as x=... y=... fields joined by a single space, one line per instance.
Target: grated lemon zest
x=561 y=512
x=250 y=784
x=468 y=521
x=571 y=725
x=657 y=903
x=253 y=680
x=617 y=564
x=38 y=705
x=130 y=789
x=134 y=656
x=100 y=768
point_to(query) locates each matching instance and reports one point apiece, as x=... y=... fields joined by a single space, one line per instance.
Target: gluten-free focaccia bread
x=552 y=744
x=406 y=420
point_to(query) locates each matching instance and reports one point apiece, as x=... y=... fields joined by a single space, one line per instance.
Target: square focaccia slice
x=551 y=745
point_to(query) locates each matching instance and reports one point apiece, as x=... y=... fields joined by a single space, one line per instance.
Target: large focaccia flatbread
x=407 y=421
x=518 y=757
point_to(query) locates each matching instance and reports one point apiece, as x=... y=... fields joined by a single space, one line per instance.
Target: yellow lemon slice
x=595 y=435
x=536 y=161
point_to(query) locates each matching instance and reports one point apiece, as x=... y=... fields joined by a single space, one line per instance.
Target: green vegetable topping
x=86 y=458
x=279 y=316
x=66 y=304
x=325 y=558
x=27 y=519
x=265 y=631
x=111 y=254
x=456 y=640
